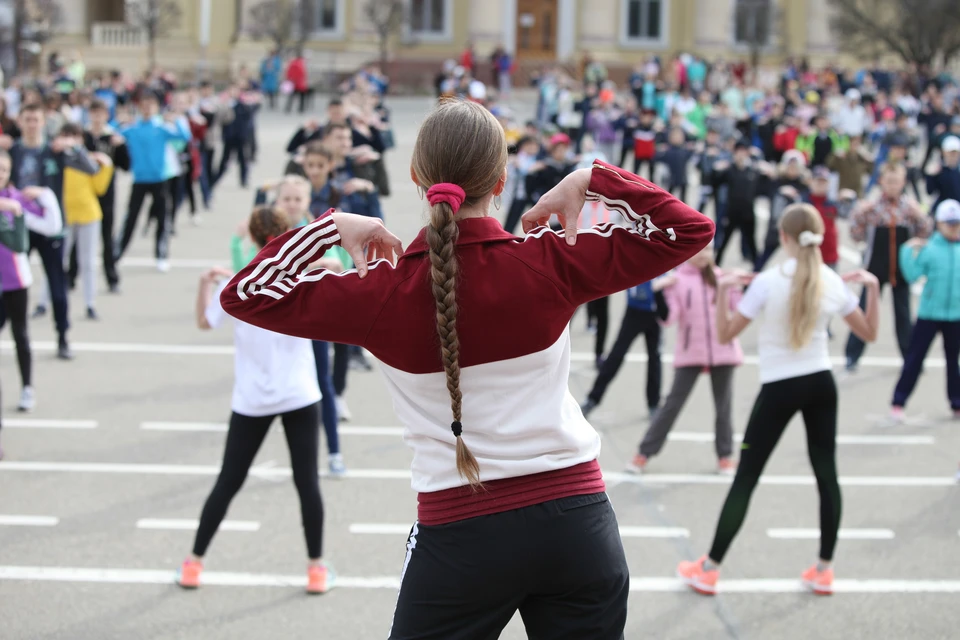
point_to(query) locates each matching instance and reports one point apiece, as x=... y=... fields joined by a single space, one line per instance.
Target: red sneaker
x=694 y=576
x=319 y=579
x=726 y=466
x=189 y=575
x=820 y=582
x=637 y=465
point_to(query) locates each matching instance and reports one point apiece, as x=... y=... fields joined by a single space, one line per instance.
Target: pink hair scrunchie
x=446 y=192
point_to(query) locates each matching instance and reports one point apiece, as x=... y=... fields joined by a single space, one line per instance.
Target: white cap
x=852 y=94
x=794 y=155
x=948 y=211
x=950 y=143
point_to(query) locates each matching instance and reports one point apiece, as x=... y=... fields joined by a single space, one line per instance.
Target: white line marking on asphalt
x=707 y=437
x=227 y=350
x=404 y=474
x=40 y=423
x=190 y=525
x=626 y=532
x=176 y=263
x=220 y=427
x=844 y=534
x=637 y=584
x=28 y=521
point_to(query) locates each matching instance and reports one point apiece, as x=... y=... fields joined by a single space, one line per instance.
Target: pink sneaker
x=820 y=582
x=189 y=575
x=896 y=413
x=693 y=575
x=726 y=466
x=638 y=464
x=319 y=579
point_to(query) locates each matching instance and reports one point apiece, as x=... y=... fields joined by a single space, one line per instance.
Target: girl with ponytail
x=471 y=330
x=792 y=303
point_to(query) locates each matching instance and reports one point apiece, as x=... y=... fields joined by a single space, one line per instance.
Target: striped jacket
x=515 y=296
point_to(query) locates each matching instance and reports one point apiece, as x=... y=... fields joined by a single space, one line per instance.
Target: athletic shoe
x=27 y=400
x=896 y=413
x=163 y=265
x=956 y=414
x=196 y=220
x=188 y=576
x=820 y=582
x=39 y=311
x=653 y=412
x=92 y=314
x=358 y=360
x=638 y=464
x=694 y=576
x=337 y=468
x=726 y=466
x=343 y=411
x=320 y=579
x=587 y=407
x=114 y=288
x=63 y=349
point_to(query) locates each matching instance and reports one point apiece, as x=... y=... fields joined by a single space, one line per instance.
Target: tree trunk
x=152 y=52
x=384 y=52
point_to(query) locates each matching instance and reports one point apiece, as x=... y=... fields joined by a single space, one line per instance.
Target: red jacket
x=786 y=139
x=515 y=298
x=297 y=74
x=828 y=211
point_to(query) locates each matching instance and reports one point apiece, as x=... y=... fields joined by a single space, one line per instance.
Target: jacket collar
x=472 y=231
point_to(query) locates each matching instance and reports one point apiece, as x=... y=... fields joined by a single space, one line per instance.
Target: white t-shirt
x=769 y=296
x=273 y=373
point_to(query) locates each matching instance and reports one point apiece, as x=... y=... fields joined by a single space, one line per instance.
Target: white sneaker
x=337 y=468
x=28 y=400
x=163 y=265
x=196 y=221
x=343 y=411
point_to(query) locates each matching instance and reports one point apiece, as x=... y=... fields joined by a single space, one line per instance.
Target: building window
x=430 y=18
x=324 y=19
x=326 y=15
x=752 y=20
x=644 y=21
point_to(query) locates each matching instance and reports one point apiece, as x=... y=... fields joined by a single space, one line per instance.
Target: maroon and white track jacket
x=516 y=297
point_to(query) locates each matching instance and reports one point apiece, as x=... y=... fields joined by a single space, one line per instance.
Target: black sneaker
x=114 y=287
x=587 y=407
x=92 y=314
x=39 y=312
x=63 y=349
x=359 y=361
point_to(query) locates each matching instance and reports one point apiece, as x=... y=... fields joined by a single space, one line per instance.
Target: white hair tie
x=810 y=239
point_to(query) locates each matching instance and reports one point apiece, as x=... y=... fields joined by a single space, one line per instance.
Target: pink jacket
x=692 y=304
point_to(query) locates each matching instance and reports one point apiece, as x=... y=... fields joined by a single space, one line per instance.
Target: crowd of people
x=816 y=146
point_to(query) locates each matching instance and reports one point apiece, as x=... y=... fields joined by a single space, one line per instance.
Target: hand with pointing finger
x=566 y=200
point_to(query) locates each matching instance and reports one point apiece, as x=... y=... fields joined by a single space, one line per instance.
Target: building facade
x=215 y=36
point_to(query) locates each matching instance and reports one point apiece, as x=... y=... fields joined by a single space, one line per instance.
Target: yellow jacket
x=81 y=195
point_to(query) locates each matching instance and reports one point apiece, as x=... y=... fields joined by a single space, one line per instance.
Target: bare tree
x=276 y=20
x=754 y=22
x=32 y=25
x=157 y=18
x=387 y=17
x=921 y=32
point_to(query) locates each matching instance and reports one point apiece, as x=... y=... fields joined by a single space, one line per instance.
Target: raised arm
x=660 y=233
x=50 y=221
x=279 y=290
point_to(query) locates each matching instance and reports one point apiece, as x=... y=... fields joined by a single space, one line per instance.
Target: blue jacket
x=945 y=184
x=147 y=144
x=939 y=261
x=641 y=297
x=270 y=70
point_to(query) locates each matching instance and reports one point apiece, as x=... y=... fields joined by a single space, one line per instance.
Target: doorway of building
x=537 y=29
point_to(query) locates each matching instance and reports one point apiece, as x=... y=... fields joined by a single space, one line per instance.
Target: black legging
x=746 y=223
x=635 y=322
x=600 y=309
x=14 y=307
x=244 y=437
x=815 y=397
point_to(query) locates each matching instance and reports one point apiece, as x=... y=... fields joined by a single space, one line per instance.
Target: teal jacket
x=939 y=261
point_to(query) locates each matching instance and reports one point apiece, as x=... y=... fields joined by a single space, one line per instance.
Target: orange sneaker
x=319 y=579
x=693 y=575
x=726 y=466
x=638 y=464
x=820 y=582
x=188 y=576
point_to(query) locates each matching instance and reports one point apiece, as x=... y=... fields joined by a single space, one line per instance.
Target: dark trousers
x=901 y=318
x=302 y=95
x=924 y=331
x=158 y=211
x=233 y=146
x=746 y=223
x=328 y=405
x=244 y=437
x=51 y=255
x=679 y=190
x=771 y=242
x=341 y=364
x=814 y=396
x=517 y=207
x=634 y=323
x=560 y=563
x=106 y=243
x=599 y=310
x=14 y=308
x=639 y=161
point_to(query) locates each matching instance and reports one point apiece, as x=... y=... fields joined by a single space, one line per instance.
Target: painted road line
x=844 y=534
x=191 y=525
x=625 y=532
x=637 y=583
x=28 y=521
x=41 y=423
x=404 y=474
x=176 y=263
x=227 y=350
x=706 y=437
x=220 y=427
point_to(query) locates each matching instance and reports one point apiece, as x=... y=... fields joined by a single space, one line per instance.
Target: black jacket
x=117 y=153
x=52 y=165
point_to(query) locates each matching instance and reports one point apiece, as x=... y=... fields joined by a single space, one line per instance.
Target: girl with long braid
x=479 y=378
x=274 y=378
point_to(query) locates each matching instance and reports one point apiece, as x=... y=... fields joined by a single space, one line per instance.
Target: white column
x=509 y=8
x=204 y=24
x=566 y=29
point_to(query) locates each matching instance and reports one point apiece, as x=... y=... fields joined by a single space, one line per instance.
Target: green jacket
x=13 y=235
x=939 y=261
x=805 y=143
